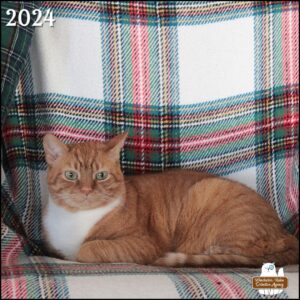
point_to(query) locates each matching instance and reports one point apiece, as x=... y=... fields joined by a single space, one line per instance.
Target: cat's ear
x=53 y=147
x=115 y=145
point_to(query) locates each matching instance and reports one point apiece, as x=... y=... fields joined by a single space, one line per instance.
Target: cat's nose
x=86 y=190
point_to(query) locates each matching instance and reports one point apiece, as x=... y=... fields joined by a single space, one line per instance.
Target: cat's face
x=85 y=175
x=268 y=269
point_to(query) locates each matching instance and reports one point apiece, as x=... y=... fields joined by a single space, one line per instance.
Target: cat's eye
x=71 y=175
x=270 y=267
x=102 y=175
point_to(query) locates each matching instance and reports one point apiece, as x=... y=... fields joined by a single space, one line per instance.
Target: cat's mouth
x=86 y=200
x=89 y=201
x=80 y=201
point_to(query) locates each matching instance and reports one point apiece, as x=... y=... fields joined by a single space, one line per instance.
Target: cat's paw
x=85 y=254
x=171 y=259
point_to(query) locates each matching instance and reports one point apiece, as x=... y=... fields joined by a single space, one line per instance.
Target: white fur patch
x=174 y=258
x=67 y=230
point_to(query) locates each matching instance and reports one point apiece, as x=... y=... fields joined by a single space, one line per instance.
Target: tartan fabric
x=15 y=43
x=204 y=85
x=41 y=277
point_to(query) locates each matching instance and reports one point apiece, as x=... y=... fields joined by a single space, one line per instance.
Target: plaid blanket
x=205 y=85
x=15 y=42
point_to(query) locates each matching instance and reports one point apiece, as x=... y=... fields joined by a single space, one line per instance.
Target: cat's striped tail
x=285 y=251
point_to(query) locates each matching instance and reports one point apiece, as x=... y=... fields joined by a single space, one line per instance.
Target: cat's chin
x=88 y=205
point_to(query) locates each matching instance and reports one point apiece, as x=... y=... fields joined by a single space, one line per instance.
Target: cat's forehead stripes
x=86 y=156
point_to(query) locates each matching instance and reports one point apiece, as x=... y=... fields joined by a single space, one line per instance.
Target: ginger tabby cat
x=175 y=218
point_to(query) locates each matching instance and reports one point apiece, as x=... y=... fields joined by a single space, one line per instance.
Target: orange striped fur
x=174 y=218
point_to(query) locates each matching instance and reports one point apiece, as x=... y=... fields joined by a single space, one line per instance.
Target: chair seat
x=36 y=277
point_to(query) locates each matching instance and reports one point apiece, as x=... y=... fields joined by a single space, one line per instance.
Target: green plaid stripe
x=15 y=42
x=276 y=116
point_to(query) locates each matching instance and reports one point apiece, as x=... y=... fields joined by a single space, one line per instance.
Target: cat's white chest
x=67 y=230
